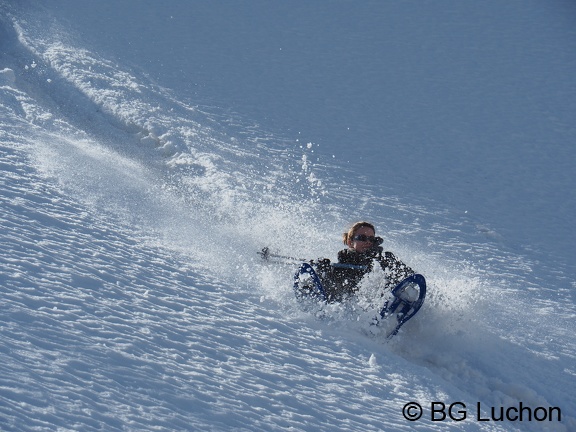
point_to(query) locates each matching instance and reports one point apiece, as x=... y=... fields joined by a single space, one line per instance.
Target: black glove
x=323 y=265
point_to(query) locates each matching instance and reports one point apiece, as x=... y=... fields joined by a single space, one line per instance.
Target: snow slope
x=134 y=199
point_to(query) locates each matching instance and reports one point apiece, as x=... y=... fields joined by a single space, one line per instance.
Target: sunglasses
x=365 y=238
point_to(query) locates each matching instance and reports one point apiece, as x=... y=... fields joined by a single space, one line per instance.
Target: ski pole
x=266 y=255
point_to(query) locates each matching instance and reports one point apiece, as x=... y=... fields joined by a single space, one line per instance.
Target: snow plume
x=200 y=185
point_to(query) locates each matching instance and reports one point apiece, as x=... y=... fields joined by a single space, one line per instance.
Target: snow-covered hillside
x=150 y=149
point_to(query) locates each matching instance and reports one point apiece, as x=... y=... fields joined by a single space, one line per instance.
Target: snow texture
x=149 y=149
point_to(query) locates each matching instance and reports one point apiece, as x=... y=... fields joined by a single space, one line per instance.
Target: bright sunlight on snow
x=149 y=150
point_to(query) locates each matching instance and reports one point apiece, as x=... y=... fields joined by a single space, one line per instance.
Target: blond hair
x=347 y=236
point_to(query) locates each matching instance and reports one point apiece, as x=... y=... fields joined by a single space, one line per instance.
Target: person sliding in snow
x=342 y=279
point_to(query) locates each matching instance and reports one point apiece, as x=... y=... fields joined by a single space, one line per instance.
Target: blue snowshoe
x=408 y=297
x=307 y=285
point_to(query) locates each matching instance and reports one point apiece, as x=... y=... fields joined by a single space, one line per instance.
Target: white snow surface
x=149 y=149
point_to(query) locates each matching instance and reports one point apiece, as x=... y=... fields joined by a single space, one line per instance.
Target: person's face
x=359 y=245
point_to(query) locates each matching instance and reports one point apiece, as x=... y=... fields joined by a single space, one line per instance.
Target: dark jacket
x=341 y=280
